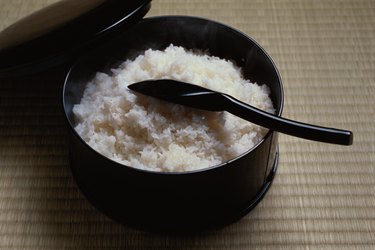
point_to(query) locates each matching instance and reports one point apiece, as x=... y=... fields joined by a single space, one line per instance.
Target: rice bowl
x=174 y=201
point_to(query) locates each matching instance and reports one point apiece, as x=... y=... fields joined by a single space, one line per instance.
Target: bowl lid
x=55 y=34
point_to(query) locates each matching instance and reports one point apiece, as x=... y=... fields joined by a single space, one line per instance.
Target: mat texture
x=323 y=196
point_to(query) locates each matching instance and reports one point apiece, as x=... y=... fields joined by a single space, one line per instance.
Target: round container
x=186 y=201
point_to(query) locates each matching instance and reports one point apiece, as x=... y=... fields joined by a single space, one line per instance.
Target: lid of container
x=55 y=34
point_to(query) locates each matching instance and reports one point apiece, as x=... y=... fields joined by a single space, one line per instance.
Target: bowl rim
x=197 y=171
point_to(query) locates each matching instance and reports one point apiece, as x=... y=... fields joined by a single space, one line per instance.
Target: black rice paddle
x=201 y=98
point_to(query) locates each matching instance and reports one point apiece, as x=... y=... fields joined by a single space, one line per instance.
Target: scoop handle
x=286 y=126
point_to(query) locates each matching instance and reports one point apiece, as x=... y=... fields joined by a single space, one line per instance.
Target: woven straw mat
x=323 y=196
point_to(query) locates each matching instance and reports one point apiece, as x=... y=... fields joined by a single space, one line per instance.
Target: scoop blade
x=181 y=93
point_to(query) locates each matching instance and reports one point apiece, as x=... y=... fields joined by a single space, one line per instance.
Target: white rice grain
x=149 y=134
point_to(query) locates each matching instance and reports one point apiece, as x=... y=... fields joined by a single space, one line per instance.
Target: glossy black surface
x=202 y=98
x=60 y=32
x=181 y=93
x=174 y=201
x=45 y=20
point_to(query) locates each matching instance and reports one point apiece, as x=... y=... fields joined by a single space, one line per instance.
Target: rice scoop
x=154 y=135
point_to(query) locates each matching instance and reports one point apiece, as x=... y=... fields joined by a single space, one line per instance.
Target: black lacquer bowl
x=187 y=201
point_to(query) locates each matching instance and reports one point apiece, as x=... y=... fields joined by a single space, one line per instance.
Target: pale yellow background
x=323 y=196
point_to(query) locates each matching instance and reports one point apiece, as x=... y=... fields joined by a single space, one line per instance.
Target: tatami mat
x=323 y=196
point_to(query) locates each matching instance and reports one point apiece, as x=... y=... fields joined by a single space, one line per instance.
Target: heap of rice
x=149 y=134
